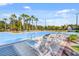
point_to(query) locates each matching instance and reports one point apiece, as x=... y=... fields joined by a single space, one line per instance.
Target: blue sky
x=55 y=14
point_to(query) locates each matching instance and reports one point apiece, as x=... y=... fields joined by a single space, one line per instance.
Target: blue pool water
x=7 y=37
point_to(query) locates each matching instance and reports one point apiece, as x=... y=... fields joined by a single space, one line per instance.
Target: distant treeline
x=28 y=23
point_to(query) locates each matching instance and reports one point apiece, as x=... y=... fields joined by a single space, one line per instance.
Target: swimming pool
x=7 y=37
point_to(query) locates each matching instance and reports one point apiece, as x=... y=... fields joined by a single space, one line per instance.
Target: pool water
x=7 y=37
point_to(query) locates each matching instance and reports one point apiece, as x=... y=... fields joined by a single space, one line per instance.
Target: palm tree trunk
x=5 y=25
x=29 y=25
x=36 y=25
x=20 y=27
x=24 y=25
x=32 y=24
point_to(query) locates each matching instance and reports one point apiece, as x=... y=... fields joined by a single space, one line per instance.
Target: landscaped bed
x=76 y=48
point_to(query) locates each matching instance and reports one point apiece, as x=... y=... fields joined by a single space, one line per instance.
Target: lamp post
x=45 y=23
x=77 y=20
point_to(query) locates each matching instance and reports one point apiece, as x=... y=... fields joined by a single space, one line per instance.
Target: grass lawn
x=76 y=48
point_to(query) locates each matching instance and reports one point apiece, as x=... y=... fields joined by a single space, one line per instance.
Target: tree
x=28 y=21
x=5 y=22
x=13 y=18
x=20 y=23
x=2 y=25
x=36 y=19
x=24 y=17
x=32 y=19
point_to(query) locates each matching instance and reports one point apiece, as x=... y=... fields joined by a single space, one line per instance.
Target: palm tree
x=5 y=22
x=20 y=24
x=13 y=17
x=24 y=17
x=32 y=19
x=36 y=19
x=28 y=22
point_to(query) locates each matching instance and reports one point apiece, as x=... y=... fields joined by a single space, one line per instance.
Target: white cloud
x=27 y=7
x=65 y=13
x=3 y=4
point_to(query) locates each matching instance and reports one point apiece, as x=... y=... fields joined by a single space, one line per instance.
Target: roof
x=17 y=49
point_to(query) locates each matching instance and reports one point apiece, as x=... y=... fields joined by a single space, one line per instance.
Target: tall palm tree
x=5 y=22
x=36 y=19
x=32 y=19
x=28 y=22
x=20 y=24
x=13 y=17
x=24 y=18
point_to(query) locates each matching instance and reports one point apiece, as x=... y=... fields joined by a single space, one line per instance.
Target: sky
x=54 y=13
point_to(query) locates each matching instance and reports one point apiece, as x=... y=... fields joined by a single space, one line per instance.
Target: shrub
x=72 y=37
x=76 y=30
